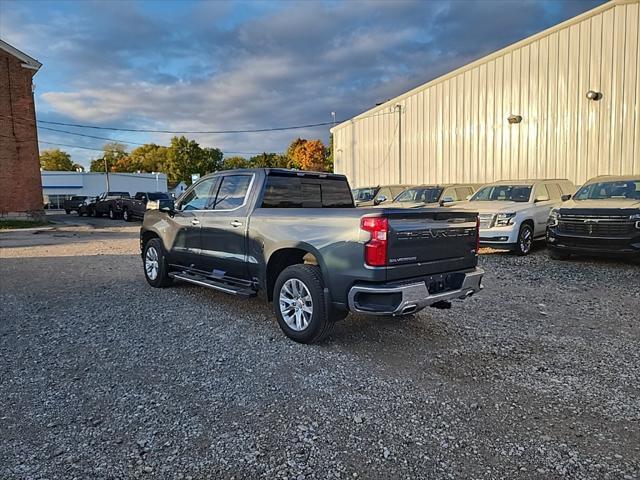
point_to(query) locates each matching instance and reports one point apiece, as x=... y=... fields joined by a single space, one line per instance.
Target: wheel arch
x=286 y=255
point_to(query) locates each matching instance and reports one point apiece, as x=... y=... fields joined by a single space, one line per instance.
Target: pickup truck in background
x=73 y=204
x=297 y=239
x=135 y=207
x=109 y=203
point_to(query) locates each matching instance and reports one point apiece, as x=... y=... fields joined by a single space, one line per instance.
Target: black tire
x=67 y=211
x=112 y=214
x=80 y=213
x=525 y=240
x=558 y=255
x=321 y=322
x=125 y=215
x=94 y=213
x=162 y=278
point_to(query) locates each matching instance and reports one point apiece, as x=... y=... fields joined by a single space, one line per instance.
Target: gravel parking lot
x=104 y=377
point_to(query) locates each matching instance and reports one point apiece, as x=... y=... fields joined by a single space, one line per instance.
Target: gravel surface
x=102 y=376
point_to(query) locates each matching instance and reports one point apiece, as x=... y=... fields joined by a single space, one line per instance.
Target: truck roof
x=282 y=171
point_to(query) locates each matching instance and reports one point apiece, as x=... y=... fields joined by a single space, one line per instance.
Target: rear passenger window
x=232 y=192
x=554 y=191
x=308 y=192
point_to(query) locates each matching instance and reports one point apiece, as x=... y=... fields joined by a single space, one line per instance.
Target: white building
x=564 y=103
x=57 y=186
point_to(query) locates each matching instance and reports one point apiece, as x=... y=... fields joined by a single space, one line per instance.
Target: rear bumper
x=389 y=299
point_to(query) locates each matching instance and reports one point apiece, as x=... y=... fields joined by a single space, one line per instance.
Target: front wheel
x=525 y=240
x=156 y=266
x=125 y=215
x=299 y=304
x=112 y=214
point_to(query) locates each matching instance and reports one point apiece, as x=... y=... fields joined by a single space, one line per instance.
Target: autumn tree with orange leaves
x=309 y=155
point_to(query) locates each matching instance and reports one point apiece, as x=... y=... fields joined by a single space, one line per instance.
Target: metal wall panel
x=455 y=129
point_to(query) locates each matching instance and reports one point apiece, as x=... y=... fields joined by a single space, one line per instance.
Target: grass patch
x=8 y=224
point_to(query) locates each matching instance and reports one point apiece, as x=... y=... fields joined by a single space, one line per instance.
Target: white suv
x=514 y=213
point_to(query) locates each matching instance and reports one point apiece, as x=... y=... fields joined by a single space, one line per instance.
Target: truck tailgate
x=425 y=241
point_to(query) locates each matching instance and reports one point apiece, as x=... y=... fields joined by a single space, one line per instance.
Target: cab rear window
x=306 y=192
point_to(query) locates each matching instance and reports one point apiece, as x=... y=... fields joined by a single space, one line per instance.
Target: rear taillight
x=477 y=234
x=375 y=250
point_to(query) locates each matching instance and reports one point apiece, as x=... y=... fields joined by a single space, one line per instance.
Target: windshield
x=158 y=196
x=364 y=194
x=622 y=189
x=507 y=193
x=422 y=195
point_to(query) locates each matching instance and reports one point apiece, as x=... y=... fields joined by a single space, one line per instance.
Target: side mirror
x=379 y=199
x=564 y=198
x=541 y=198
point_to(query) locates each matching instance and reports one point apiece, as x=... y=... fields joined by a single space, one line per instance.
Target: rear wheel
x=125 y=215
x=299 y=304
x=525 y=240
x=156 y=266
x=112 y=214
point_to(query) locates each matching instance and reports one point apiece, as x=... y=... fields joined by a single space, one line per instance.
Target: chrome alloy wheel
x=526 y=240
x=296 y=304
x=151 y=263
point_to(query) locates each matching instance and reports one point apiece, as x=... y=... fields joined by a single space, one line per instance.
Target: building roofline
x=491 y=56
x=28 y=62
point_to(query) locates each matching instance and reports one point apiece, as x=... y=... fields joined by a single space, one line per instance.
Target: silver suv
x=513 y=213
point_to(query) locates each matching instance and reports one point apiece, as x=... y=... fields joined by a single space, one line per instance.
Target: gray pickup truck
x=298 y=240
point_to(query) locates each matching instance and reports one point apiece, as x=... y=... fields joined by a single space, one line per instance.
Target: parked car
x=296 y=238
x=135 y=207
x=369 y=196
x=419 y=196
x=513 y=214
x=109 y=203
x=603 y=217
x=87 y=207
x=73 y=204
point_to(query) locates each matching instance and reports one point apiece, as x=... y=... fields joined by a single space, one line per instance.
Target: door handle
x=195 y=221
x=236 y=224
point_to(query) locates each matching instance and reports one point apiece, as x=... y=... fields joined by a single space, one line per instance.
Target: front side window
x=364 y=194
x=623 y=189
x=232 y=192
x=200 y=197
x=421 y=195
x=506 y=193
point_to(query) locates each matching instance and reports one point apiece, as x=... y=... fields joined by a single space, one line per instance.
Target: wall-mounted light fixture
x=593 y=95
x=514 y=119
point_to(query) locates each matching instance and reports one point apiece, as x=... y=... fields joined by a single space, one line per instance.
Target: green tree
x=185 y=157
x=148 y=158
x=269 y=160
x=114 y=157
x=56 y=160
x=232 y=163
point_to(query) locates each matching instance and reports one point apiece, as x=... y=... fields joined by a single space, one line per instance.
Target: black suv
x=603 y=217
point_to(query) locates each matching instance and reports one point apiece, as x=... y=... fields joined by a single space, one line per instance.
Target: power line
x=145 y=130
x=30 y=123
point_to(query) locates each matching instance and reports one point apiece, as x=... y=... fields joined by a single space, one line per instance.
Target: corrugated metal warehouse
x=456 y=128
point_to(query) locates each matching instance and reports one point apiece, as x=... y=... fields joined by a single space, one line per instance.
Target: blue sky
x=190 y=65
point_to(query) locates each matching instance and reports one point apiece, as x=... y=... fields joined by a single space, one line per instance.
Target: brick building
x=20 y=181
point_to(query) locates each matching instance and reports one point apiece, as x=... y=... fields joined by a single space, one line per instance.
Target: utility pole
x=398 y=107
x=333 y=115
x=106 y=172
